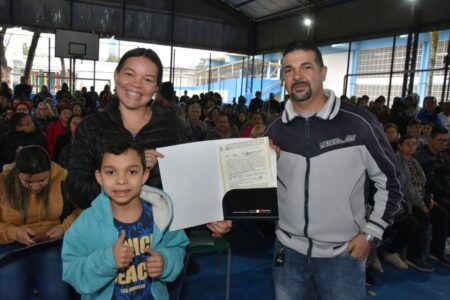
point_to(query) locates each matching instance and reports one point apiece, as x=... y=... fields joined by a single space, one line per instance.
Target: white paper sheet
x=191 y=176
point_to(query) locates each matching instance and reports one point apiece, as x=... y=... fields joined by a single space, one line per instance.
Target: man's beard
x=305 y=96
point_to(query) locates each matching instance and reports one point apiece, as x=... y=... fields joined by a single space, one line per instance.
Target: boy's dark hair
x=119 y=146
x=147 y=53
x=304 y=46
x=405 y=137
x=438 y=130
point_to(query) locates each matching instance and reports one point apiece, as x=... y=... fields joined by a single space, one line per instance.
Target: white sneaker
x=395 y=260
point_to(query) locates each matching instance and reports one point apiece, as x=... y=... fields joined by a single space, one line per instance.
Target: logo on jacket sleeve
x=337 y=141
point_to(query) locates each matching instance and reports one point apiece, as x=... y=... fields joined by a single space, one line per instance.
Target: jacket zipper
x=307 y=145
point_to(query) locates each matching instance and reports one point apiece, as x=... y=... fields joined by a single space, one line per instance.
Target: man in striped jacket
x=328 y=151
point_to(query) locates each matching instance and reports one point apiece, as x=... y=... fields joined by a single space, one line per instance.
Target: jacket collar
x=161 y=205
x=328 y=111
x=158 y=112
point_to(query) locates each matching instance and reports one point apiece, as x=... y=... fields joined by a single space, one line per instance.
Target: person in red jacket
x=255 y=119
x=57 y=128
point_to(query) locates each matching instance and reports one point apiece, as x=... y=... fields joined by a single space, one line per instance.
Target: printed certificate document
x=197 y=175
x=246 y=164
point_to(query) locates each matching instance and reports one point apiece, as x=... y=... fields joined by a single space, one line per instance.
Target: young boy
x=120 y=247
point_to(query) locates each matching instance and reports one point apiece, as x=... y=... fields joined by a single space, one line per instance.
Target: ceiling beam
x=244 y=3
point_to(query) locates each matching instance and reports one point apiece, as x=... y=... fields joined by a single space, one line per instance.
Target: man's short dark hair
x=405 y=137
x=304 y=45
x=438 y=130
x=119 y=146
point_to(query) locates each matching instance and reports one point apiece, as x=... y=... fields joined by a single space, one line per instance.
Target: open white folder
x=197 y=175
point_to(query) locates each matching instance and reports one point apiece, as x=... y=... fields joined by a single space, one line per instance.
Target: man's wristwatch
x=373 y=241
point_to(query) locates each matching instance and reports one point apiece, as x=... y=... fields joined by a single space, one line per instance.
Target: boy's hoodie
x=87 y=254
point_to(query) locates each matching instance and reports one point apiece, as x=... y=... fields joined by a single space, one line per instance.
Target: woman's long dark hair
x=29 y=160
x=69 y=131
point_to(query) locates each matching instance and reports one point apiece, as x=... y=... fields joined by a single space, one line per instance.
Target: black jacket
x=61 y=142
x=164 y=129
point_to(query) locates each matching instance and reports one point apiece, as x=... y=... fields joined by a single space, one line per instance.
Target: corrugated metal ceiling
x=261 y=10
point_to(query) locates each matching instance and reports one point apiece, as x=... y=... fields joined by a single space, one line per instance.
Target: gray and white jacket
x=323 y=166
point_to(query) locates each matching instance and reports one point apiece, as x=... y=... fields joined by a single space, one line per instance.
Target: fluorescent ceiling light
x=307 y=22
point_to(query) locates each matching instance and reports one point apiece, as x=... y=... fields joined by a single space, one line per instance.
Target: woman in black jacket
x=128 y=116
x=138 y=77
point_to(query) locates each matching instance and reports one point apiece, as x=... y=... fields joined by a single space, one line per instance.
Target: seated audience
x=381 y=111
x=256 y=103
x=411 y=224
x=43 y=117
x=415 y=129
x=240 y=120
x=444 y=115
x=6 y=91
x=213 y=114
x=23 y=89
x=166 y=98
x=392 y=134
x=64 y=142
x=105 y=96
x=426 y=131
x=198 y=127
x=255 y=118
x=63 y=93
x=57 y=128
x=437 y=171
x=77 y=109
x=4 y=103
x=412 y=105
x=52 y=106
x=41 y=96
x=428 y=113
x=274 y=105
x=223 y=129
x=22 y=106
x=241 y=107
x=398 y=115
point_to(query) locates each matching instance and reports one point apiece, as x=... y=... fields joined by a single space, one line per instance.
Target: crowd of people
x=420 y=138
x=66 y=153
